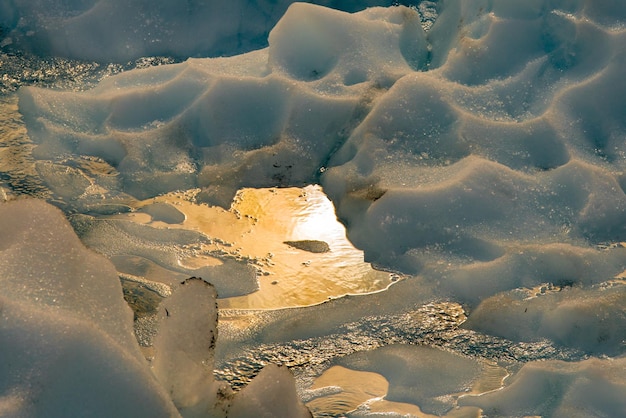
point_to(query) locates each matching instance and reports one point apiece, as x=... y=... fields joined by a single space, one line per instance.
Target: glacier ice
x=482 y=156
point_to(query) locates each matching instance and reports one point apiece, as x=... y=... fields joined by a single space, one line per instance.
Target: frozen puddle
x=288 y=237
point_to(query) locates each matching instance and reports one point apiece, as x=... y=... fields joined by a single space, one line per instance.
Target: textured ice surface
x=483 y=157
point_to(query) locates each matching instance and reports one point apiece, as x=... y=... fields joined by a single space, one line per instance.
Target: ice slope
x=485 y=157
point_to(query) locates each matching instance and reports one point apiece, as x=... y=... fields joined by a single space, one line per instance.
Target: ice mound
x=465 y=165
x=65 y=323
x=592 y=320
x=40 y=265
x=51 y=359
x=105 y=31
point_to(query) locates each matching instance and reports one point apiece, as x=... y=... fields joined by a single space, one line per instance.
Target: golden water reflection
x=255 y=230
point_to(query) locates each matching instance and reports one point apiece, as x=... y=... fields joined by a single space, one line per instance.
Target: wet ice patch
x=340 y=390
x=279 y=247
x=402 y=379
x=410 y=372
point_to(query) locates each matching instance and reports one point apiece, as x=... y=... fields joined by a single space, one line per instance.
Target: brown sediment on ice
x=312 y=246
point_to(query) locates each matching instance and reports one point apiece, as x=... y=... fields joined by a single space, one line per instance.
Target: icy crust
x=67 y=340
x=119 y=31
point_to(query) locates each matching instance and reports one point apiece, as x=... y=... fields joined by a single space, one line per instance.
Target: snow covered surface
x=482 y=157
